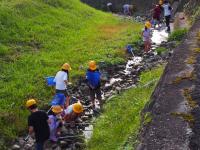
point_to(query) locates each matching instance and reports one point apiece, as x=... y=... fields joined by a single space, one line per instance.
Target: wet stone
x=21 y=141
x=63 y=144
x=84 y=118
x=79 y=145
x=16 y=147
x=171 y=44
x=28 y=146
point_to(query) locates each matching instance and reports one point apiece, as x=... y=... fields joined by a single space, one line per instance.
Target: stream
x=116 y=79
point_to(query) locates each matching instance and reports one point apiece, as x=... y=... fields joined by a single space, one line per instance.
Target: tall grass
x=37 y=37
x=121 y=117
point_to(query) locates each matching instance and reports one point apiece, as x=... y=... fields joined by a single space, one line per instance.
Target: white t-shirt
x=60 y=79
x=109 y=4
x=167 y=11
x=126 y=6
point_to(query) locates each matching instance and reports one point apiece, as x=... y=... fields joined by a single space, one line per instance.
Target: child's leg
x=67 y=98
x=149 y=45
x=92 y=98
x=145 y=46
x=98 y=94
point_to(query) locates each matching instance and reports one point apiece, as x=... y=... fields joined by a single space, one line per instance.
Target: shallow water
x=112 y=81
x=88 y=132
x=136 y=60
x=158 y=36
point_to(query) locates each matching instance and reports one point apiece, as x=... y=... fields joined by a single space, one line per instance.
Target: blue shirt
x=93 y=78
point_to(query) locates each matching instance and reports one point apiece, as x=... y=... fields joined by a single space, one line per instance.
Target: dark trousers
x=110 y=8
x=95 y=92
x=167 y=20
x=65 y=92
x=39 y=145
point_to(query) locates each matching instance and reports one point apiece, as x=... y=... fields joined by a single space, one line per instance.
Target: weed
x=147 y=118
x=196 y=50
x=186 y=76
x=177 y=35
x=187 y=117
x=188 y=96
x=160 y=50
x=191 y=60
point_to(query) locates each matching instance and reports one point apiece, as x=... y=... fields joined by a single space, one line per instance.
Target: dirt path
x=173 y=101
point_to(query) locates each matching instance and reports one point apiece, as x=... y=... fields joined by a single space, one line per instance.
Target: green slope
x=121 y=117
x=37 y=37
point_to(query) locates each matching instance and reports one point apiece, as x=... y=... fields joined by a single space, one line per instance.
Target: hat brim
x=55 y=111
x=93 y=68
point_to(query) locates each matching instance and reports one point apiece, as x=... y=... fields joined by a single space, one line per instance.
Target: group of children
x=146 y=33
x=48 y=125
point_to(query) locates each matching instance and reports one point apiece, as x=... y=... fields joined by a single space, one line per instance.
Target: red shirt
x=157 y=12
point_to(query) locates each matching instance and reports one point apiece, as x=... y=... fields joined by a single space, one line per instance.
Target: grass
x=121 y=117
x=178 y=35
x=161 y=50
x=37 y=37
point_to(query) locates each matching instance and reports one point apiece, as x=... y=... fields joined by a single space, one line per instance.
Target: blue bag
x=50 y=81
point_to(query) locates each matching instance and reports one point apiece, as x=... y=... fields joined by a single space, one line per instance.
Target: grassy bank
x=37 y=37
x=122 y=115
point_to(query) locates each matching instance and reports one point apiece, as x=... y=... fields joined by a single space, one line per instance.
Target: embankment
x=174 y=105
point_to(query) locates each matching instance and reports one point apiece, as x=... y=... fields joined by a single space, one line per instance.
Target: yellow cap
x=148 y=24
x=160 y=2
x=30 y=102
x=66 y=66
x=57 y=109
x=92 y=65
x=78 y=108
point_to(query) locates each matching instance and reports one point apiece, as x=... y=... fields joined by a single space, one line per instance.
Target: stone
x=84 y=118
x=21 y=141
x=16 y=147
x=118 y=89
x=28 y=146
x=171 y=44
x=58 y=148
x=79 y=145
x=107 y=88
x=68 y=149
x=63 y=144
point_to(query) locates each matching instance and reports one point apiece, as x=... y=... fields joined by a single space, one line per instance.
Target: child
x=61 y=80
x=55 y=122
x=72 y=113
x=167 y=13
x=146 y=37
x=93 y=77
x=156 y=15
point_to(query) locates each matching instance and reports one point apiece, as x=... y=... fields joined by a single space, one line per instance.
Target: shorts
x=95 y=92
x=65 y=92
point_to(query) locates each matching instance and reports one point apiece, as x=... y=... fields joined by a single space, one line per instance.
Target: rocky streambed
x=116 y=78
